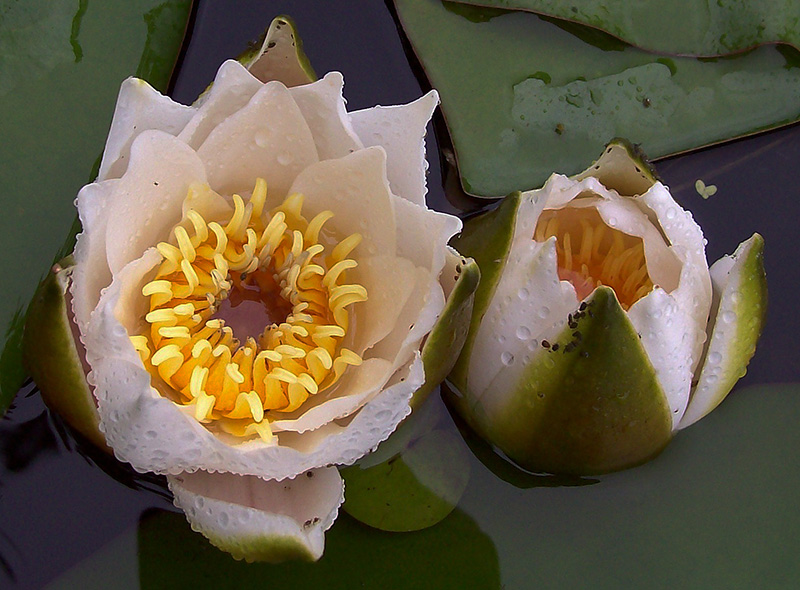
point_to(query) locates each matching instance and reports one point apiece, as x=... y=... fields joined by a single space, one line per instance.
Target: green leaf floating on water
x=61 y=64
x=453 y=554
x=690 y=27
x=523 y=97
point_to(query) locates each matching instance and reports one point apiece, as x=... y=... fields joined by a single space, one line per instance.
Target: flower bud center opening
x=248 y=314
x=591 y=253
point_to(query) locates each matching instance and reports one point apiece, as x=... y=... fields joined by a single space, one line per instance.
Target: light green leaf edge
x=737 y=319
x=52 y=358
x=487 y=239
x=699 y=28
x=445 y=341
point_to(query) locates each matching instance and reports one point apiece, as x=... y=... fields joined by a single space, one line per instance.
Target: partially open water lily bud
x=259 y=290
x=598 y=329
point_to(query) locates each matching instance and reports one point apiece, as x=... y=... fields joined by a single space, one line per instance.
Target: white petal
x=91 y=272
x=529 y=300
x=694 y=289
x=355 y=189
x=354 y=389
x=414 y=322
x=400 y=130
x=139 y=107
x=267 y=138
x=147 y=201
x=323 y=108
x=390 y=281
x=260 y=520
x=233 y=88
x=736 y=321
x=530 y=304
x=423 y=234
x=668 y=336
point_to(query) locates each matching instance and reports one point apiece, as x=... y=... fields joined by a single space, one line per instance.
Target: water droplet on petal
x=523 y=333
x=507 y=358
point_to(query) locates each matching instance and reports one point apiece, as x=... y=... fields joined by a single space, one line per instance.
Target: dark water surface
x=717 y=509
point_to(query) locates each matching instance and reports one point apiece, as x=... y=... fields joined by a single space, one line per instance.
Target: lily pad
x=694 y=27
x=61 y=63
x=523 y=97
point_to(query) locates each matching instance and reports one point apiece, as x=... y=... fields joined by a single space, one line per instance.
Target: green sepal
x=737 y=317
x=622 y=167
x=279 y=55
x=588 y=403
x=51 y=356
x=446 y=339
x=486 y=238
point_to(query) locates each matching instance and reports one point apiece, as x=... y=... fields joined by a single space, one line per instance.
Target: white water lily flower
x=600 y=329
x=253 y=284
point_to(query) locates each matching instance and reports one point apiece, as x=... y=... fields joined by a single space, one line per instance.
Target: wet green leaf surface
x=690 y=27
x=524 y=97
x=61 y=64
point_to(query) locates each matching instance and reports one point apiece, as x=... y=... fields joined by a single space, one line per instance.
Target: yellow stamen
x=280 y=253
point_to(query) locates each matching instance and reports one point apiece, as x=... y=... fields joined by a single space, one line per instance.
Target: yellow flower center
x=591 y=253
x=274 y=264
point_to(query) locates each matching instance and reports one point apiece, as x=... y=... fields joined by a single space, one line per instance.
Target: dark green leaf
x=453 y=554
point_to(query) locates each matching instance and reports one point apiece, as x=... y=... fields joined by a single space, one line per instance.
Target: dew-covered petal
x=694 y=289
x=352 y=391
x=232 y=89
x=400 y=130
x=529 y=300
x=267 y=138
x=147 y=201
x=258 y=520
x=139 y=107
x=423 y=234
x=355 y=189
x=91 y=273
x=737 y=317
x=322 y=105
x=667 y=334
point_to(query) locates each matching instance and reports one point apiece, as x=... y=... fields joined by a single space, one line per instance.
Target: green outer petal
x=280 y=56
x=594 y=405
x=487 y=239
x=52 y=358
x=413 y=490
x=684 y=28
x=736 y=323
x=623 y=167
x=446 y=339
